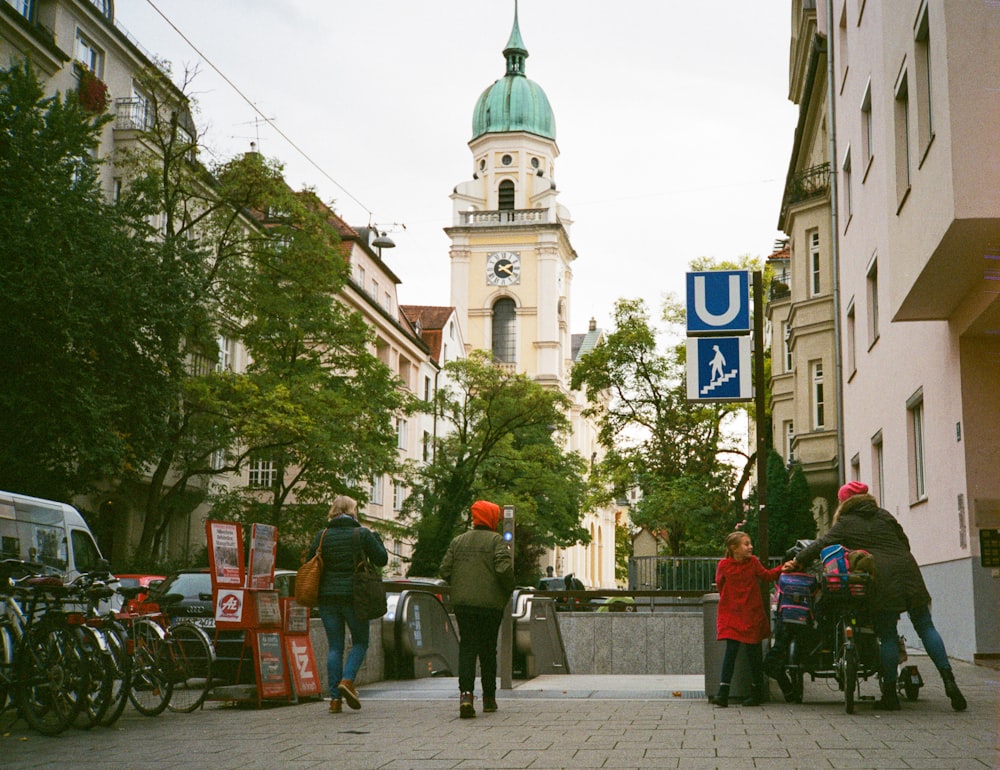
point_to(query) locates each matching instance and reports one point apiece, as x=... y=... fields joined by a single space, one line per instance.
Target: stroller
x=823 y=629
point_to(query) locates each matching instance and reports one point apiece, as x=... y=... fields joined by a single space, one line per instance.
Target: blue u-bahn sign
x=719 y=368
x=718 y=302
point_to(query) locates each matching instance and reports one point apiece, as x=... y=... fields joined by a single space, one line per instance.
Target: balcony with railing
x=813 y=182
x=505 y=217
x=133 y=114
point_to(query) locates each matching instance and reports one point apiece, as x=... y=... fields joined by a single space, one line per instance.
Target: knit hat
x=485 y=513
x=850 y=489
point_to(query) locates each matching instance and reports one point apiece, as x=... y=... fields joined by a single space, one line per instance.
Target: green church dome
x=514 y=103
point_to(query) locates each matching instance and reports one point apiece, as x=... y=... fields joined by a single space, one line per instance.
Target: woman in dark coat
x=899 y=587
x=336 y=596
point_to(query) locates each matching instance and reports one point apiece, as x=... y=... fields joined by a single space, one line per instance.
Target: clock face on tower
x=503 y=268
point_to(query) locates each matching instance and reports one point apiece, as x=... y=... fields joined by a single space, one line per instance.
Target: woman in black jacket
x=899 y=587
x=336 y=596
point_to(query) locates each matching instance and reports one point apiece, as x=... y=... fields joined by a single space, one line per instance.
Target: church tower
x=511 y=270
x=510 y=252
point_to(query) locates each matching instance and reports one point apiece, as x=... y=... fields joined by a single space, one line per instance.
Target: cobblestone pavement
x=549 y=722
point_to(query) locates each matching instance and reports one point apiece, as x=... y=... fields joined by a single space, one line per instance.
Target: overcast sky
x=672 y=119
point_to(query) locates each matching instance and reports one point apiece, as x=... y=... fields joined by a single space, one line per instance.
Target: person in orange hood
x=480 y=570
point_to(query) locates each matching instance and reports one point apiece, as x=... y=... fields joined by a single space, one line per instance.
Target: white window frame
x=261 y=473
x=815 y=265
x=852 y=362
x=922 y=82
x=915 y=429
x=88 y=53
x=901 y=112
x=789 y=441
x=402 y=433
x=376 y=491
x=871 y=282
x=867 y=131
x=818 y=397
x=398 y=495
x=878 y=465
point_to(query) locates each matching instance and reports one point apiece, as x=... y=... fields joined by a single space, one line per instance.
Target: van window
x=85 y=552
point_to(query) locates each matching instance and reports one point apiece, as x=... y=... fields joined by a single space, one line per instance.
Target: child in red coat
x=742 y=618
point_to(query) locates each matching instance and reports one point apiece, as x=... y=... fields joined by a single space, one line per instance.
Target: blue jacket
x=338 y=555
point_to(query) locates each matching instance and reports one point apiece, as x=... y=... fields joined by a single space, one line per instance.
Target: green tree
x=655 y=438
x=789 y=513
x=261 y=264
x=88 y=309
x=501 y=448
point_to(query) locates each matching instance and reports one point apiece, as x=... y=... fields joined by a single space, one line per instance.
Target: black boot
x=951 y=690
x=722 y=699
x=889 y=700
x=754 y=699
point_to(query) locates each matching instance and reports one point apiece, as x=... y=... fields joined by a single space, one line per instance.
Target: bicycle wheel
x=118 y=649
x=93 y=647
x=192 y=655
x=850 y=677
x=51 y=677
x=6 y=663
x=151 y=684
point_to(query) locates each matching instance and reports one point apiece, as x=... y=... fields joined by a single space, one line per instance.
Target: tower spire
x=515 y=52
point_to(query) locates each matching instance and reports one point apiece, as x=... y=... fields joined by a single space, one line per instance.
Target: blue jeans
x=335 y=617
x=933 y=643
x=888 y=646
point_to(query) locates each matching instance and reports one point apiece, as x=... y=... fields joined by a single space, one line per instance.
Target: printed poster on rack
x=263 y=550
x=225 y=553
x=301 y=660
x=272 y=682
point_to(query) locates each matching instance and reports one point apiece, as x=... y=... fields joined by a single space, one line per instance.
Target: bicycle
x=173 y=662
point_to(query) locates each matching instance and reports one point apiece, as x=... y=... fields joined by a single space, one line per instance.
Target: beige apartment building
x=512 y=270
x=68 y=40
x=914 y=229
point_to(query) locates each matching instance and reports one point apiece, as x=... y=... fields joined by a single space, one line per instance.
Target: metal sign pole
x=507 y=624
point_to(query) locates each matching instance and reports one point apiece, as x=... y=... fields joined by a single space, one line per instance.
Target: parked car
x=138 y=581
x=187 y=594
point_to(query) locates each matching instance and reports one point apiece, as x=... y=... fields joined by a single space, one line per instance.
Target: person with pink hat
x=480 y=570
x=859 y=523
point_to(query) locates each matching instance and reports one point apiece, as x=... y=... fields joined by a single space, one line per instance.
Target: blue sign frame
x=718 y=302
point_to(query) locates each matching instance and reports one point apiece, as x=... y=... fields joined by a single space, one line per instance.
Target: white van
x=48 y=533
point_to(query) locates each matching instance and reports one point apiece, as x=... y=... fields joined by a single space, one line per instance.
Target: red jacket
x=742 y=615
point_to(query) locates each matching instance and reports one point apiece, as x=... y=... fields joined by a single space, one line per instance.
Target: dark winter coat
x=479 y=568
x=338 y=555
x=899 y=586
x=741 y=615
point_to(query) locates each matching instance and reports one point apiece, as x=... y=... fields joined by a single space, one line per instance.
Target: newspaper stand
x=298 y=649
x=245 y=600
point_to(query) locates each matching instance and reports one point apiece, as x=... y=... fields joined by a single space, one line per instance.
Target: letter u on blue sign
x=718 y=302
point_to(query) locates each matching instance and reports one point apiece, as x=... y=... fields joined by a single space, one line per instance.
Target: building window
x=915 y=435
x=425 y=447
x=375 y=289
x=23 y=7
x=786 y=341
x=872 y=281
x=401 y=433
x=398 y=495
x=375 y=492
x=878 y=467
x=902 y=139
x=504 y=331
x=922 y=80
x=841 y=53
x=225 y=360
x=855 y=468
x=506 y=195
x=814 y=263
x=789 y=441
x=816 y=377
x=848 y=197
x=428 y=392
x=88 y=54
x=387 y=302
x=359 y=276
x=405 y=371
x=866 y=130
x=262 y=474
x=852 y=365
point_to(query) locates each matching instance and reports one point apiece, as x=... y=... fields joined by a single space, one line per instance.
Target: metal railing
x=675 y=573
x=809 y=183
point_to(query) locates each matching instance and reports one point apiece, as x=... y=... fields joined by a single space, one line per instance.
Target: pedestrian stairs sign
x=718 y=369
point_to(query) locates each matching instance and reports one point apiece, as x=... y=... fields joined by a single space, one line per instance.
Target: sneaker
x=489 y=704
x=466 y=710
x=349 y=693
x=335 y=707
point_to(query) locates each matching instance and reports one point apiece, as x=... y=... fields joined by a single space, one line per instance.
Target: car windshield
x=186 y=584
